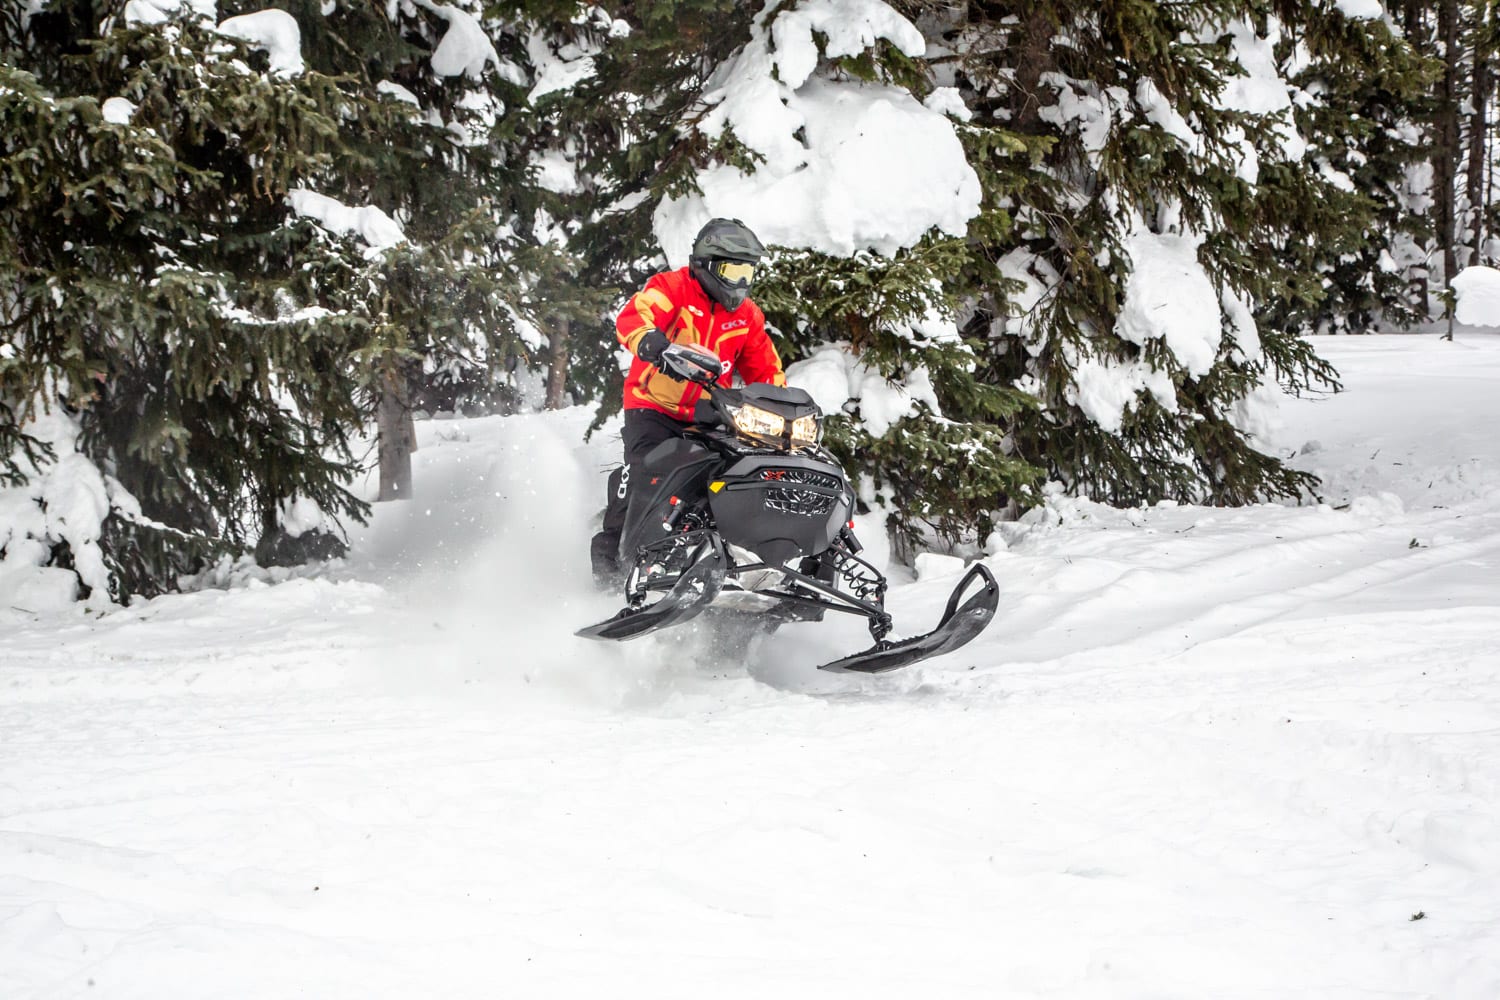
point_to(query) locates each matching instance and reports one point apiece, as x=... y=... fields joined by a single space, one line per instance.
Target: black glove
x=650 y=346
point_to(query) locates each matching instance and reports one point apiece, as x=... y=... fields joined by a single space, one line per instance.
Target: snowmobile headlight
x=804 y=431
x=758 y=423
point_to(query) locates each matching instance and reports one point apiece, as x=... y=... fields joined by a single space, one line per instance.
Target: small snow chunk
x=160 y=11
x=396 y=91
x=275 y=32
x=37 y=589
x=948 y=101
x=117 y=111
x=465 y=50
x=1333 y=175
x=824 y=377
x=847 y=165
x=1360 y=10
x=879 y=171
x=1159 y=111
x=1242 y=327
x=300 y=515
x=1104 y=389
x=1169 y=296
x=848 y=27
x=371 y=225
x=555 y=172
x=833 y=376
x=559 y=76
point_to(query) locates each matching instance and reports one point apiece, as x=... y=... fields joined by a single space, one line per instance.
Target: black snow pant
x=644 y=430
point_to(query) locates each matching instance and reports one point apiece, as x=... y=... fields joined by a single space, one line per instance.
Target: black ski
x=694 y=591
x=960 y=623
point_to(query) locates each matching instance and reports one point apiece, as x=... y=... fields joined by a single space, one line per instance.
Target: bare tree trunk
x=1479 y=129
x=1446 y=151
x=1033 y=57
x=397 y=436
x=557 y=371
x=1412 y=18
x=1446 y=147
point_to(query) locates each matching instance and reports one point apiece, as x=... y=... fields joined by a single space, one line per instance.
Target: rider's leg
x=644 y=430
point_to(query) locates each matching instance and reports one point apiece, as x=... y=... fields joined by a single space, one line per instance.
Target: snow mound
x=1478 y=292
x=65 y=502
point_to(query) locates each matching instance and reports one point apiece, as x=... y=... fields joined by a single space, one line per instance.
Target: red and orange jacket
x=676 y=304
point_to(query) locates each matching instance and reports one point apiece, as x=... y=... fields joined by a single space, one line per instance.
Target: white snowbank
x=369 y=224
x=273 y=31
x=365 y=778
x=1477 y=290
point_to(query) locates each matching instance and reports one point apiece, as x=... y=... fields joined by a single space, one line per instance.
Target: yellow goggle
x=736 y=272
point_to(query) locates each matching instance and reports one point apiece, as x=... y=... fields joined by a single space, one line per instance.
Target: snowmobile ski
x=960 y=623
x=694 y=591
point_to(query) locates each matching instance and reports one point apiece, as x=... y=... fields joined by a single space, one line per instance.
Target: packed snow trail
x=1201 y=752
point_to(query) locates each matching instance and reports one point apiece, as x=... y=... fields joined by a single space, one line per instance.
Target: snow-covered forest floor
x=1201 y=753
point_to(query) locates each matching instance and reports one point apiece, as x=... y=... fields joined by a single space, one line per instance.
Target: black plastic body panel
x=678 y=467
x=781 y=506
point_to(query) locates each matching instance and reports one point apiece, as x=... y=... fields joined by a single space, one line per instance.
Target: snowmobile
x=746 y=511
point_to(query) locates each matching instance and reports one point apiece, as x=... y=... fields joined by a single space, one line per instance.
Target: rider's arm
x=758 y=361
x=649 y=309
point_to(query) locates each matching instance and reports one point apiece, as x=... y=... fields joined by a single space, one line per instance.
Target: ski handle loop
x=976 y=572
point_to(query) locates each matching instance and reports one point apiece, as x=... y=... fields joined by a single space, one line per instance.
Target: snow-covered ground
x=1201 y=753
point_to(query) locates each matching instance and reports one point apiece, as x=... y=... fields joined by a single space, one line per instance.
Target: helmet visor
x=734 y=272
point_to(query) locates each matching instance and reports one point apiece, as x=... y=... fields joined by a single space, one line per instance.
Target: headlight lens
x=805 y=431
x=754 y=421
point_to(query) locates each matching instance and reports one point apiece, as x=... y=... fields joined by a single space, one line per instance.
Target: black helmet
x=725 y=253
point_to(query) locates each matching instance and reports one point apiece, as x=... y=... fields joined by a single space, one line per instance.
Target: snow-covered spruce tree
x=806 y=121
x=1360 y=260
x=185 y=277
x=1453 y=188
x=570 y=288
x=1145 y=240
x=617 y=137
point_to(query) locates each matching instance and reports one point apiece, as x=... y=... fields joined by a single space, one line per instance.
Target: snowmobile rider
x=706 y=304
